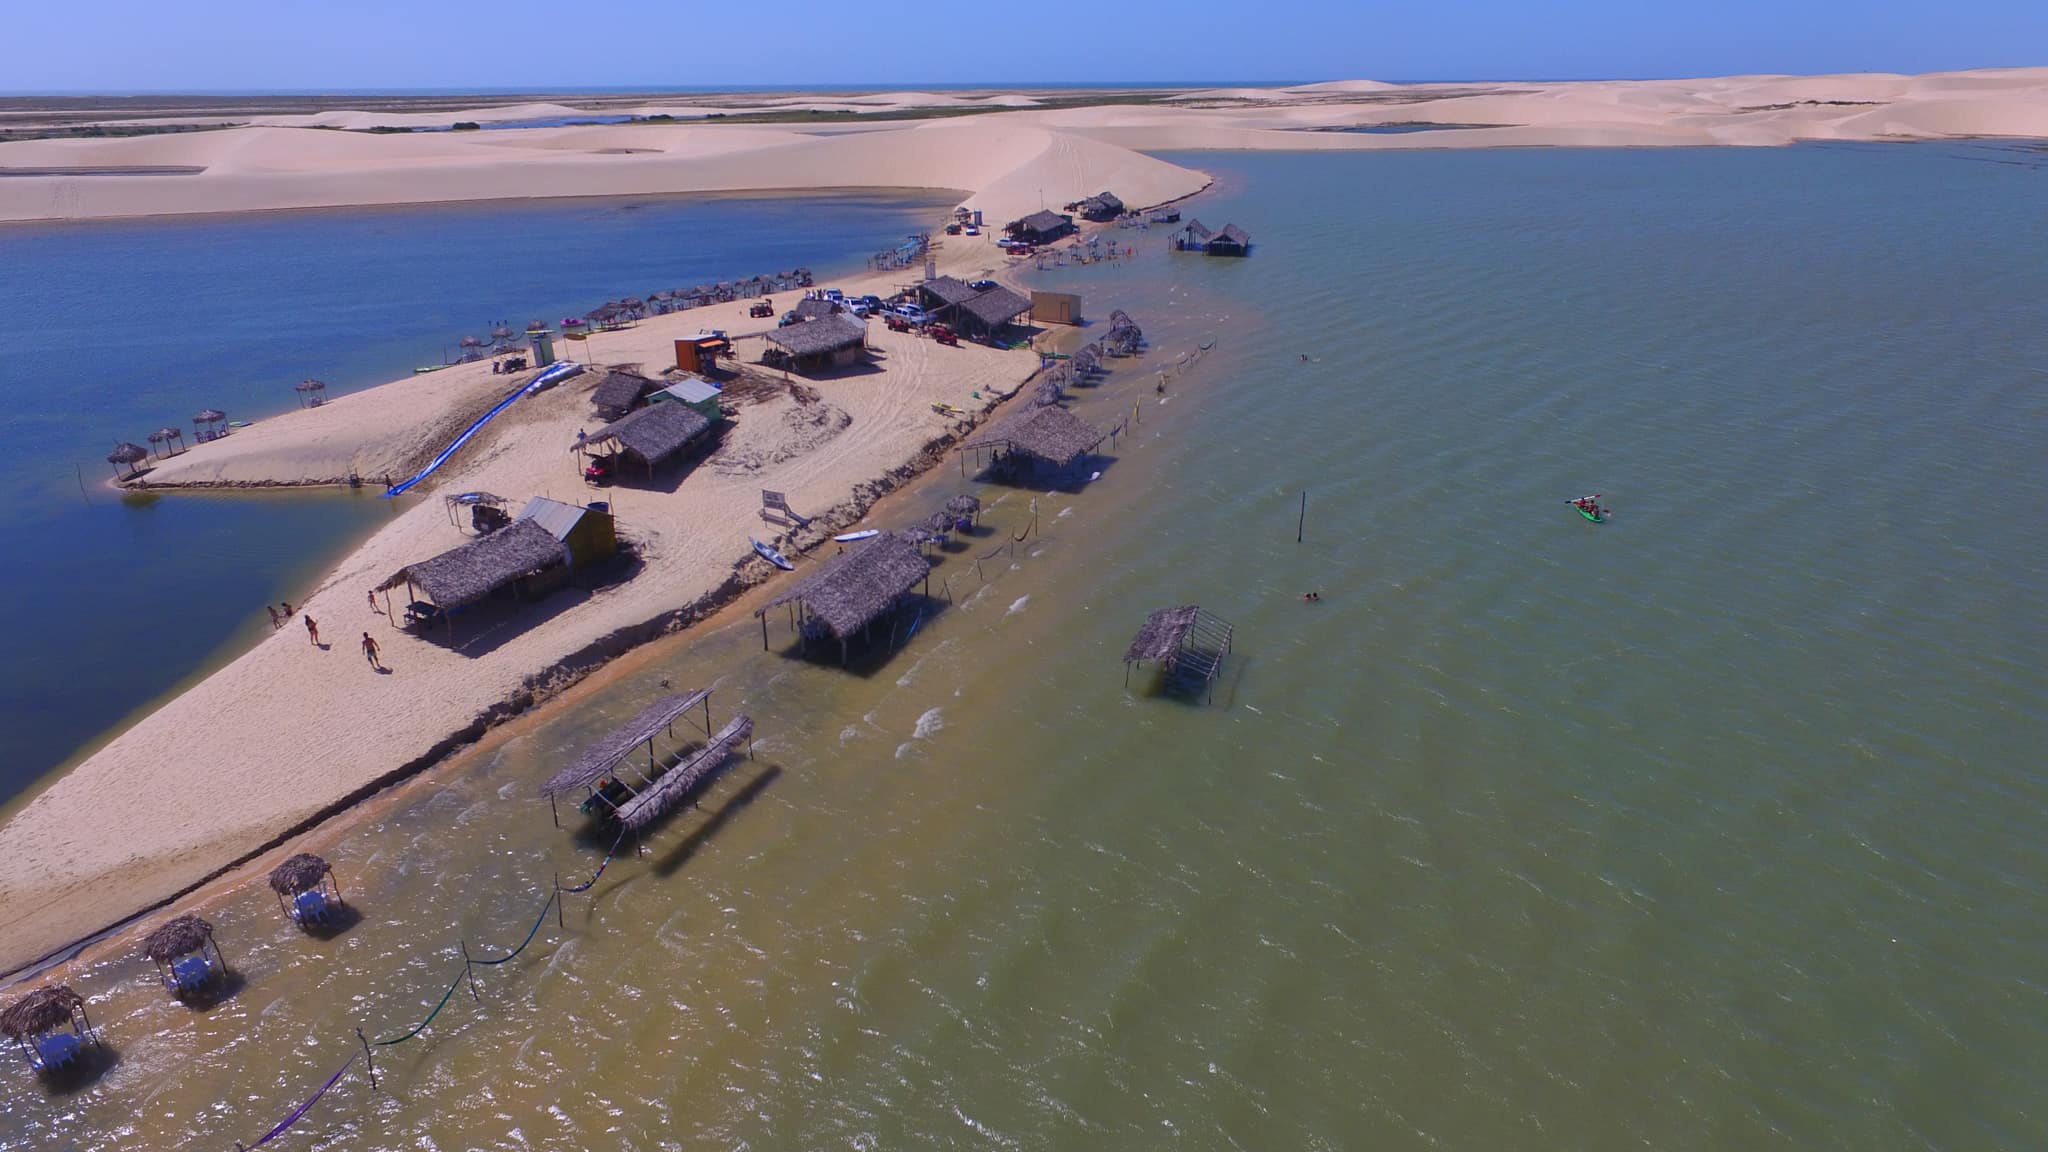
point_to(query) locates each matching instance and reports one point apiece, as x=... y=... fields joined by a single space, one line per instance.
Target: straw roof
x=298 y=874
x=209 y=415
x=316 y=385
x=820 y=336
x=1042 y=221
x=647 y=807
x=964 y=505
x=176 y=937
x=996 y=307
x=815 y=309
x=619 y=391
x=482 y=566
x=39 y=1011
x=1162 y=634
x=600 y=758
x=1053 y=435
x=858 y=585
x=163 y=434
x=127 y=453
x=949 y=289
x=1232 y=234
x=654 y=432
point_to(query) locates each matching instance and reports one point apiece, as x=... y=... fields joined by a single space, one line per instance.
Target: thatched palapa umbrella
x=178 y=947
x=204 y=420
x=469 y=342
x=299 y=880
x=308 y=392
x=502 y=332
x=127 y=453
x=164 y=436
x=964 y=508
x=51 y=1024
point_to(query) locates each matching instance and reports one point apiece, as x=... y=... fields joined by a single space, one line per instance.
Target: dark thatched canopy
x=669 y=791
x=1053 y=435
x=1162 y=634
x=948 y=290
x=652 y=433
x=300 y=873
x=321 y=386
x=127 y=453
x=815 y=309
x=600 y=758
x=39 y=1011
x=175 y=937
x=1232 y=236
x=819 y=337
x=163 y=434
x=475 y=570
x=860 y=584
x=996 y=307
x=1042 y=222
x=964 y=505
x=209 y=416
x=1197 y=231
x=616 y=394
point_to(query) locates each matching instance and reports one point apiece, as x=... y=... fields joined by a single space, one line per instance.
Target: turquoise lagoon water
x=1716 y=826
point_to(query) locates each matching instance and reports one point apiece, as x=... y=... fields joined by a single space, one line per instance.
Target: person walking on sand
x=276 y=621
x=286 y=607
x=370 y=652
x=373 y=601
x=313 y=631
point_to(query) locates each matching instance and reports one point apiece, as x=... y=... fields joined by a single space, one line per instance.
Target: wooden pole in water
x=368 y=1059
x=466 y=973
x=1301 y=525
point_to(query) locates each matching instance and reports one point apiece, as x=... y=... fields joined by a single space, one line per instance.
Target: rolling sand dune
x=1008 y=162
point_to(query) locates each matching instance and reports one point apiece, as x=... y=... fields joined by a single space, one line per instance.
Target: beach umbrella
x=536 y=326
x=127 y=453
x=501 y=332
x=207 y=416
x=470 y=342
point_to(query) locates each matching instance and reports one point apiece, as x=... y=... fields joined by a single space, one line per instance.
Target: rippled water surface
x=1716 y=826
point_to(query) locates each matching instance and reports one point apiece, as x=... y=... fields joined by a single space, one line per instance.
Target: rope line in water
x=456 y=983
x=534 y=931
x=606 y=863
x=299 y=1113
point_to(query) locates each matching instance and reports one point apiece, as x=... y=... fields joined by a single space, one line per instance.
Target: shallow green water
x=1715 y=826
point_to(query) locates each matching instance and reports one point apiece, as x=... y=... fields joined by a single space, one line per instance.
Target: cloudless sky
x=277 y=45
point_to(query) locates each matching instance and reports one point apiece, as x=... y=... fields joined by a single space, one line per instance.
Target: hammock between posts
x=299 y=1113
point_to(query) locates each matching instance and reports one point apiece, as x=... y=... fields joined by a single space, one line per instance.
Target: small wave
x=1017 y=606
x=933 y=720
x=849 y=733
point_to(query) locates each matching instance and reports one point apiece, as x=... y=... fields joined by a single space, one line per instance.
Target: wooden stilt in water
x=369 y=1061
x=467 y=975
x=1301 y=525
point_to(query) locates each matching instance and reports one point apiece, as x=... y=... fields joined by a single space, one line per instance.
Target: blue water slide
x=548 y=379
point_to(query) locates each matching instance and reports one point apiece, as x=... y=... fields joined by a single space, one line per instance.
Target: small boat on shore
x=863 y=534
x=771 y=555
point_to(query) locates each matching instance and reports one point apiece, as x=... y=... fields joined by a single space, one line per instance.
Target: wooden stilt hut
x=1042 y=438
x=1186 y=643
x=187 y=960
x=601 y=770
x=852 y=590
x=965 y=510
x=50 y=1026
x=307 y=891
x=677 y=783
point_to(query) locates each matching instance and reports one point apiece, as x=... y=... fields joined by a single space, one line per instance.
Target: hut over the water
x=1047 y=437
x=187 y=959
x=306 y=890
x=852 y=590
x=1186 y=643
x=50 y=1026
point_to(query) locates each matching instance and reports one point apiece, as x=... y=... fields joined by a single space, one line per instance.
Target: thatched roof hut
x=1161 y=636
x=677 y=783
x=651 y=434
x=300 y=873
x=209 y=416
x=43 y=1010
x=620 y=392
x=824 y=342
x=856 y=587
x=177 y=937
x=1041 y=227
x=987 y=312
x=480 y=567
x=946 y=291
x=808 y=310
x=127 y=452
x=1187 y=643
x=1232 y=241
x=964 y=505
x=1102 y=206
x=1051 y=436
x=602 y=757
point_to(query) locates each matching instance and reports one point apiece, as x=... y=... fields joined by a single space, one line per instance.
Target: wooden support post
x=558 y=901
x=466 y=974
x=764 y=631
x=369 y=1060
x=553 y=810
x=1301 y=525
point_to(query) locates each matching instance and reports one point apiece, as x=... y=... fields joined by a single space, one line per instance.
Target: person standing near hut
x=370 y=652
x=313 y=630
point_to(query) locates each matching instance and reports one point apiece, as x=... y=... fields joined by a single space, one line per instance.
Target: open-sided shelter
x=600 y=770
x=648 y=435
x=852 y=590
x=1186 y=643
x=306 y=890
x=462 y=576
x=187 y=959
x=1049 y=437
x=51 y=1027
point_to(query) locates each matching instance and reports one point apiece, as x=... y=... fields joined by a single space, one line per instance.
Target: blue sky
x=150 y=45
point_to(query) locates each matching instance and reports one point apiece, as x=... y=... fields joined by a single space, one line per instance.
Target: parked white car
x=912 y=313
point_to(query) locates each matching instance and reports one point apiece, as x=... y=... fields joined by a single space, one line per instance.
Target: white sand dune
x=1006 y=162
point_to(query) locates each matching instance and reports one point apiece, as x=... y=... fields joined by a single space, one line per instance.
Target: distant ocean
x=117 y=328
